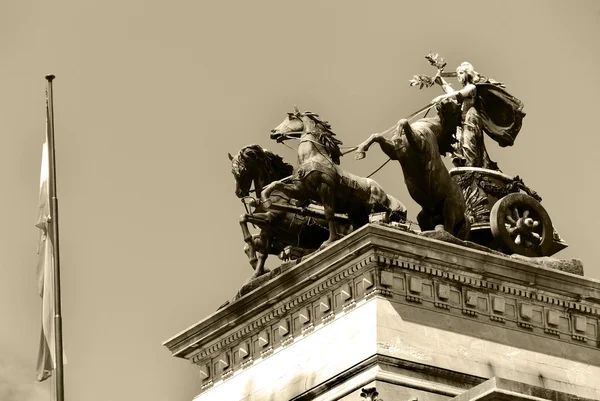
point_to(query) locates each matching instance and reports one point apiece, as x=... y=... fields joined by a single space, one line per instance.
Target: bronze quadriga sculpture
x=307 y=207
x=505 y=214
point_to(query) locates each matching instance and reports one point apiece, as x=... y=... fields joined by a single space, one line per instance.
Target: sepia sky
x=150 y=96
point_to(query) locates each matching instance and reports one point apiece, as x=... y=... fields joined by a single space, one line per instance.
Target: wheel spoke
x=510 y=218
x=518 y=240
x=526 y=213
x=512 y=231
x=516 y=213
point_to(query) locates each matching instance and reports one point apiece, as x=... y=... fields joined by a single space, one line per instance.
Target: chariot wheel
x=520 y=224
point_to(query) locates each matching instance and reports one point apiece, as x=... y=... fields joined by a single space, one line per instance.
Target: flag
x=45 y=275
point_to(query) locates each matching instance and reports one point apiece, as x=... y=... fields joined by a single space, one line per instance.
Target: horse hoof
x=360 y=155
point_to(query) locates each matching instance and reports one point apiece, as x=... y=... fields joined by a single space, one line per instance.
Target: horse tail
x=376 y=195
x=396 y=206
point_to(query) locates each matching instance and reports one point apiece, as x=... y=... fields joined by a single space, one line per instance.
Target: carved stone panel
x=301 y=320
x=364 y=283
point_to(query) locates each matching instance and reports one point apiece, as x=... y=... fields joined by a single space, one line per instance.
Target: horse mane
x=326 y=137
x=267 y=161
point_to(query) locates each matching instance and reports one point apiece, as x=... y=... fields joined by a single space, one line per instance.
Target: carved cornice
x=406 y=269
x=270 y=297
x=380 y=274
x=296 y=304
x=299 y=317
x=475 y=281
x=502 y=302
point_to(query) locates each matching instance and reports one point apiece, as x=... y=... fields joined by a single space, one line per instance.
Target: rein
x=353 y=148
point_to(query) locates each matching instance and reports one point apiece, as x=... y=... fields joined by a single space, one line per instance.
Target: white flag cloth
x=45 y=276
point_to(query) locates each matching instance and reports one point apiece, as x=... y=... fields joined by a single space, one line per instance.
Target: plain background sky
x=151 y=95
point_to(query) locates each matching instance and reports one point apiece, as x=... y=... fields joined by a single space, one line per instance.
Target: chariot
x=505 y=214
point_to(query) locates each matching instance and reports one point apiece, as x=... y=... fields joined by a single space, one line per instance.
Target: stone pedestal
x=416 y=318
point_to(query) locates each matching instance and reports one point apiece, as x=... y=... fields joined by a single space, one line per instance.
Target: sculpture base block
x=415 y=317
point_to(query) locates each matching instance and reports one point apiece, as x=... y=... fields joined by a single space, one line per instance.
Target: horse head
x=292 y=126
x=241 y=173
x=255 y=164
x=298 y=124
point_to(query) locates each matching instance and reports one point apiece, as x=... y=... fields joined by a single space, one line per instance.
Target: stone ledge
x=350 y=255
x=497 y=389
x=573 y=266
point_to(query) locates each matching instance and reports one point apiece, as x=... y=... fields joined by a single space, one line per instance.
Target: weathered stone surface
x=447 y=237
x=255 y=283
x=573 y=266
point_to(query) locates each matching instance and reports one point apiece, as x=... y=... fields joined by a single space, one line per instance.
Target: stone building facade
x=412 y=317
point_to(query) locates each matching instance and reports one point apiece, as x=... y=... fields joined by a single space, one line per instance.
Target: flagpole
x=60 y=393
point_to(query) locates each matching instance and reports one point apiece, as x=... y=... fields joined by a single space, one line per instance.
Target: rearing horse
x=419 y=148
x=319 y=178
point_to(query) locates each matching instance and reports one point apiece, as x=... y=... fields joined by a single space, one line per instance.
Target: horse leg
x=464 y=228
x=249 y=249
x=256 y=243
x=265 y=240
x=425 y=220
x=454 y=218
x=449 y=215
x=361 y=151
x=266 y=192
x=326 y=193
x=387 y=146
